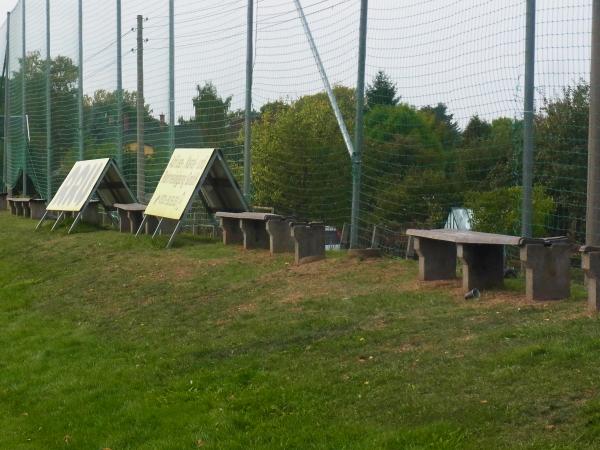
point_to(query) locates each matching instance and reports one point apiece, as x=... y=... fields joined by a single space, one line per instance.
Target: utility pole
x=141 y=178
x=80 y=81
x=7 y=157
x=24 y=96
x=171 y=76
x=359 y=128
x=48 y=108
x=592 y=232
x=248 y=107
x=528 y=143
x=119 y=90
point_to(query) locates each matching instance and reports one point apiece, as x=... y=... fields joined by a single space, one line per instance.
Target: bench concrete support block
x=3 y=202
x=280 y=236
x=13 y=207
x=125 y=225
x=309 y=242
x=91 y=215
x=483 y=265
x=547 y=271
x=254 y=234
x=437 y=259
x=37 y=208
x=232 y=233
x=590 y=263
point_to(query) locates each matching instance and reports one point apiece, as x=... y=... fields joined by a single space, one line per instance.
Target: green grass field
x=107 y=341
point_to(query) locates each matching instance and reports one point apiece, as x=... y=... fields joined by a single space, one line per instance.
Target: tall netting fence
x=443 y=111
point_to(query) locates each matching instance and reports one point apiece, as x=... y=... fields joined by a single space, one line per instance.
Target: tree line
x=417 y=162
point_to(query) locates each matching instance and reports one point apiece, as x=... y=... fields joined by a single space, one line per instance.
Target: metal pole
x=358 y=132
x=48 y=109
x=24 y=95
x=248 y=107
x=330 y=94
x=7 y=157
x=528 y=144
x=592 y=232
x=171 y=75
x=119 y=156
x=140 y=111
x=80 y=82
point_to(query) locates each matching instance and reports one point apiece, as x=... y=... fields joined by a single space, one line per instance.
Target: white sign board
x=77 y=187
x=179 y=182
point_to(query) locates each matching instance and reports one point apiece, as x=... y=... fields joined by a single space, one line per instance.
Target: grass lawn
x=107 y=341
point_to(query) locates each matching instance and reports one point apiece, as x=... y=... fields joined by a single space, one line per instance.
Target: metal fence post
x=24 y=96
x=141 y=179
x=48 y=108
x=248 y=106
x=528 y=143
x=359 y=127
x=80 y=81
x=171 y=76
x=7 y=108
x=119 y=156
x=592 y=231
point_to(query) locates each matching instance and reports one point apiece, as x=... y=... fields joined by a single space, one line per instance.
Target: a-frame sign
x=190 y=172
x=99 y=177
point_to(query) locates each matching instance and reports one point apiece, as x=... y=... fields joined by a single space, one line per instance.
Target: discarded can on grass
x=472 y=294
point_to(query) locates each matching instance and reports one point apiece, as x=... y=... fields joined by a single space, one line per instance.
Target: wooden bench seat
x=546 y=260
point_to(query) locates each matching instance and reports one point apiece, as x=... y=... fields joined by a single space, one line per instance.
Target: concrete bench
x=280 y=235
x=19 y=206
x=3 y=203
x=546 y=261
x=130 y=216
x=246 y=228
x=309 y=242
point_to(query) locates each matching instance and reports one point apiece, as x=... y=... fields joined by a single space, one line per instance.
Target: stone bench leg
x=135 y=219
x=437 y=259
x=232 y=234
x=547 y=271
x=151 y=224
x=37 y=210
x=124 y=222
x=255 y=234
x=483 y=265
x=25 y=211
x=280 y=236
x=13 y=208
x=309 y=242
x=3 y=202
x=590 y=263
x=91 y=215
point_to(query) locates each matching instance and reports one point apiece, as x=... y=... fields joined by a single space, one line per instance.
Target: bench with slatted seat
x=546 y=260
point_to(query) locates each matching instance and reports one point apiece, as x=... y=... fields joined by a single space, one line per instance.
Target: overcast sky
x=468 y=54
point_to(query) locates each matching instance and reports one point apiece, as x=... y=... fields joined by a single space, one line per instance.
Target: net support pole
x=171 y=76
x=528 y=142
x=248 y=106
x=7 y=157
x=119 y=155
x=80 y=81
x=48 y=108
x=325 y=79
x=592 y=231
x=140 y=178
x=359 y=127
x=24 y=95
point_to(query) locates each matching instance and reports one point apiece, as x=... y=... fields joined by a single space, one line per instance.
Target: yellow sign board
x=179 y=182
x=77 y=187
